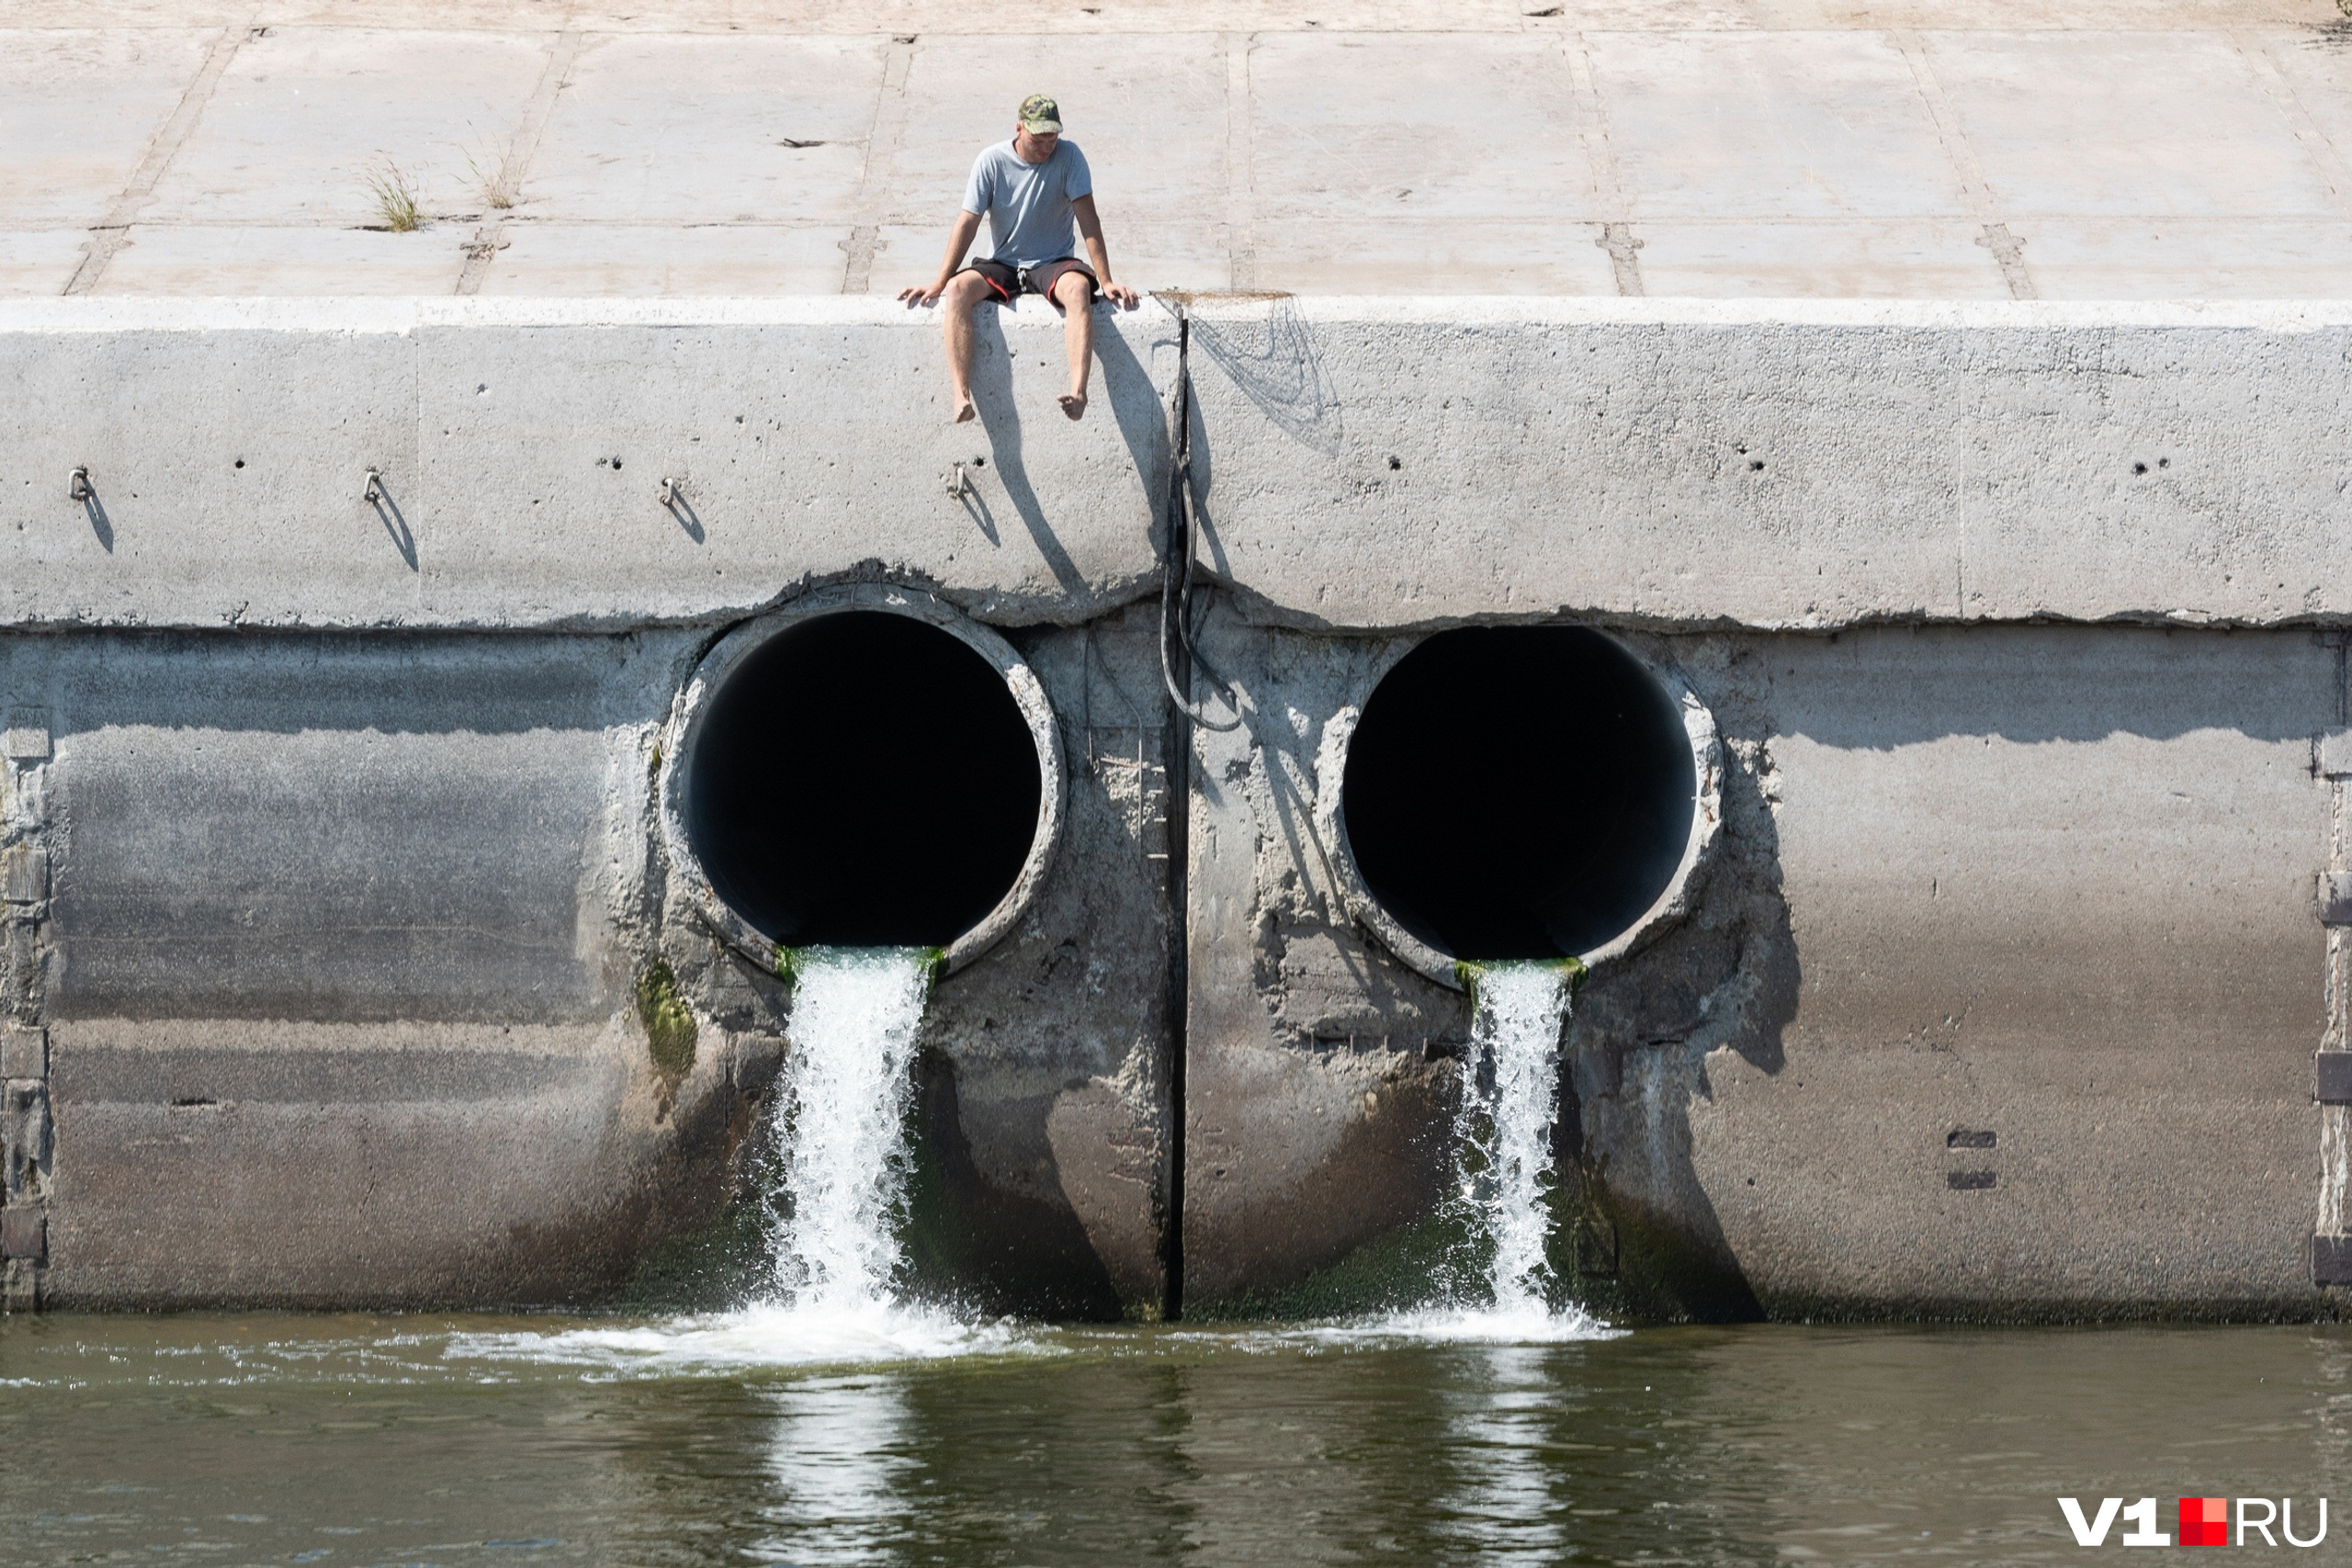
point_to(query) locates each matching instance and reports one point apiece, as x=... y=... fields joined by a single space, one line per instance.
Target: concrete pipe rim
x=1667 y=910
x=693 y=706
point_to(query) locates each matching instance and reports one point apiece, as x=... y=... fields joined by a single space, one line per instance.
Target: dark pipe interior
x=1518 y=792
x=864 y=780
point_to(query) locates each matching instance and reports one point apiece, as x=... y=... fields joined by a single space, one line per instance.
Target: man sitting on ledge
x=1030 y=189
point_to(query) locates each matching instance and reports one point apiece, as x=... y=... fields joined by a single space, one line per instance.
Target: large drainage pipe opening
x=864 y=779
x=1519 y=792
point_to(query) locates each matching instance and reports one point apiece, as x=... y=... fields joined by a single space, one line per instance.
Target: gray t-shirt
x=1027 y=205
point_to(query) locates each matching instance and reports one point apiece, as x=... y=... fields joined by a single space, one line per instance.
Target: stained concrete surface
x=2052 y=890
x=337 y=959
x=2026 y=908
x=1759 y=150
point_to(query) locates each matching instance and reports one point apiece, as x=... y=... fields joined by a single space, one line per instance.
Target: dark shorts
x=1006 y=282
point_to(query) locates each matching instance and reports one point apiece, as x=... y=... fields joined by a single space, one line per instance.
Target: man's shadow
x=1000 y=420
x=1124 y=387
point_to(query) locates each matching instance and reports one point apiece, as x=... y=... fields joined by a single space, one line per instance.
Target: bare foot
x=966 y=409
x=1074 y=404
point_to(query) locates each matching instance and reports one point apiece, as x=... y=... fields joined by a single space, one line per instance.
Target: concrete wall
x=2030 y=906
x=1670 y=463
x=331 y=868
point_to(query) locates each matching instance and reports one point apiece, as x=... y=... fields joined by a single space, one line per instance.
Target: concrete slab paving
x=2310 y=84
x=303 y=117
x=635 y=260
x=39 y=261
x=1117 y=17
x=1369 y=256
x=2181 y=258
x=685 y=130
x=222 y=259
x=1739 y=150
x=1774 y=125
x=1389 y=128
x=76 y=109
x=2108 y=124
x=1942 y=258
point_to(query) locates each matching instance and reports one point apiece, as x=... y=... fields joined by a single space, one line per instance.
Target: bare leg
x=963 y=293
x=1075 y=295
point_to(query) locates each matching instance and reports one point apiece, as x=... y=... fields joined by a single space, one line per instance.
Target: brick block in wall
x=24 y=1233
x=24 y=1051
x=24 y=1136
x=23 y=873
x=24 y=738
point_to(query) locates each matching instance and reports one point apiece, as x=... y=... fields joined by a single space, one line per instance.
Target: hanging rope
x=1176 y=584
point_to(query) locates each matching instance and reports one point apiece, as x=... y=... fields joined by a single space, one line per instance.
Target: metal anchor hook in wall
x=387 y=511
x=963 y=479
x=82 y=493
x=964 y=489
x=672 y=496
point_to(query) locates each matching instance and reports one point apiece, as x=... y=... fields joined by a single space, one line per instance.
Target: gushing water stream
x=840 y=1121
x=1511 y=1097
x=842 y=1163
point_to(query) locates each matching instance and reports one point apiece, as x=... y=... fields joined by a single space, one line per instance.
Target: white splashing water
x=840 y=1124
x=840 y=1121
x=1506 y=1127
x=1510 y=1099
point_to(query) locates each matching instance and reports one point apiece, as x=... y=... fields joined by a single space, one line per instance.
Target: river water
x=354 y=1440
x=831 y=1422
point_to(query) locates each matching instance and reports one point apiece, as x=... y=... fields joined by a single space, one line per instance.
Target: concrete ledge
x=1366 y=463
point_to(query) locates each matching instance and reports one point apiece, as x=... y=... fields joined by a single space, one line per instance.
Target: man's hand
x=1119 y=294
x=922 y=295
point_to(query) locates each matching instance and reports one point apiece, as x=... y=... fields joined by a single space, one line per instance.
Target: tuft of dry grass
x=395 y=195
x=494 y=178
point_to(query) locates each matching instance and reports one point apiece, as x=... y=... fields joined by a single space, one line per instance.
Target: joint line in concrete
x=1241 y=161
x=491 y=238
x=1592 y=115
x=27 y=1126
x=2006 y=247
x=2325 y=157
x=2008 y=254
x=1618 y=240
x=1600 y=165
x=886 y=130
x=2331 y=1253
x=107 y=234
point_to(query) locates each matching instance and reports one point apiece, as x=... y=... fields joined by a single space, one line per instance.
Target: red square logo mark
x=2204 y=1522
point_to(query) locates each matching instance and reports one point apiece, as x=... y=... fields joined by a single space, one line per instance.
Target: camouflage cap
x=1040 y=116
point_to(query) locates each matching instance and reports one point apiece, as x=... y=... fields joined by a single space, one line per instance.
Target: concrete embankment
x=355 y=891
